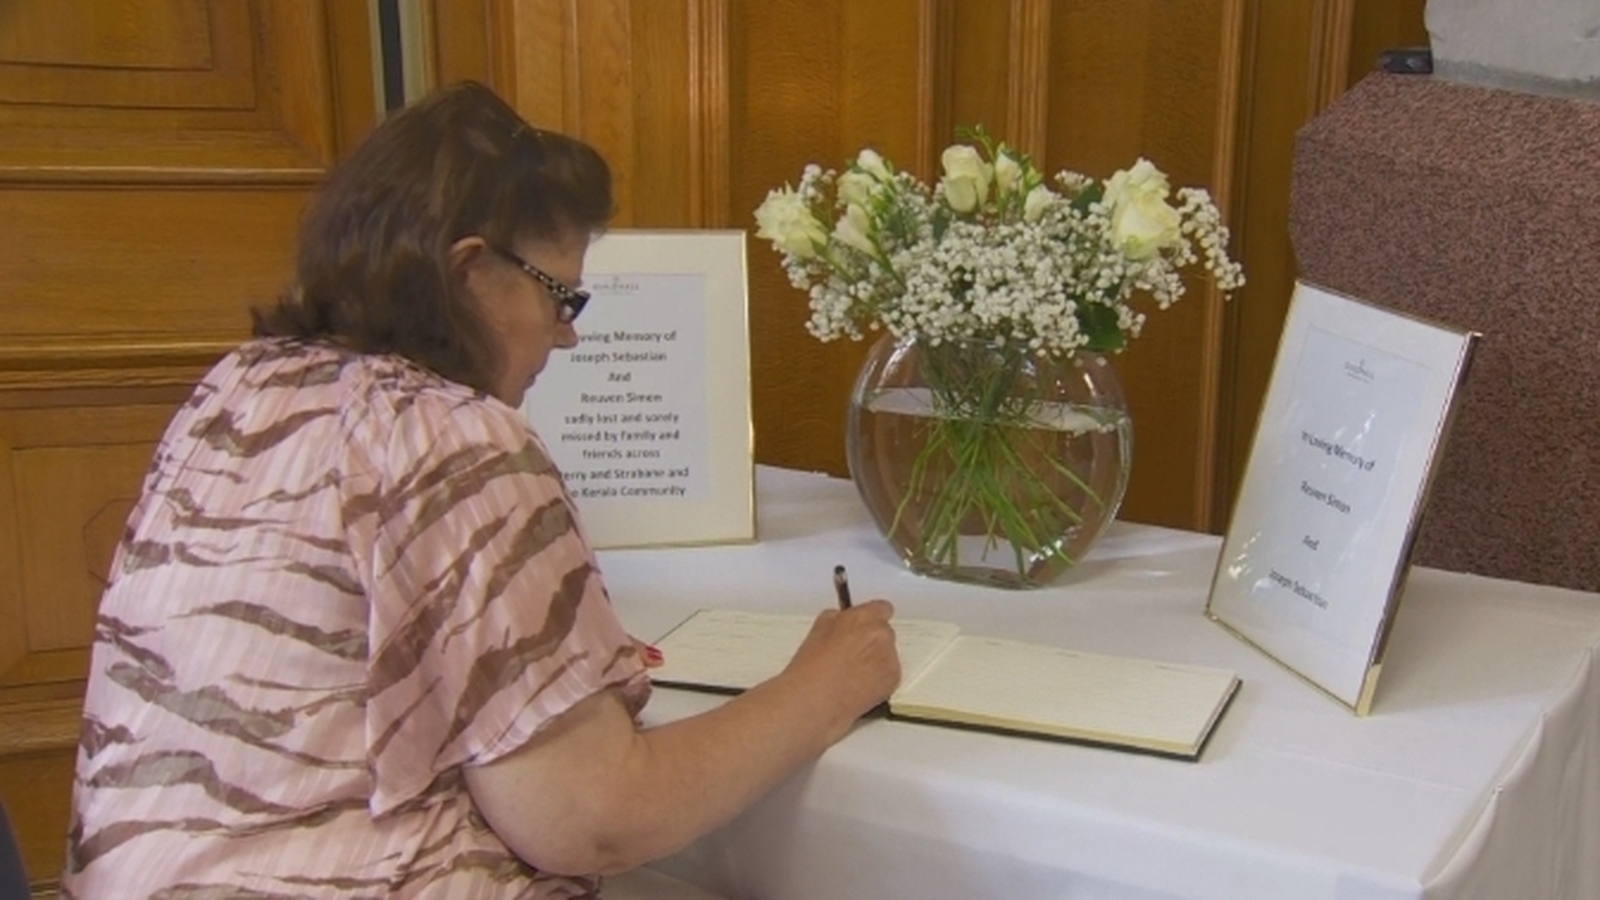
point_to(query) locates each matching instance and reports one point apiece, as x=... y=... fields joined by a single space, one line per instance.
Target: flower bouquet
x=991 y=272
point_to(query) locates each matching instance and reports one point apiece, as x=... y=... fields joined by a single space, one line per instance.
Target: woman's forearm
x=593 y=793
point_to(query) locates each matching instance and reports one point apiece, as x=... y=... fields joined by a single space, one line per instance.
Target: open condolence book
x=976 y=682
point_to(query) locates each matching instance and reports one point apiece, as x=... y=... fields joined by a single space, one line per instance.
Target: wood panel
x=169 y=35
x=1296 y=58
x=815 y=82
x=71 y=472
x=973 y=72
x=643 y=82
x=38 y=806
x=262 y=98
x=1155 y=79
x=147 y=266
x=154 y=158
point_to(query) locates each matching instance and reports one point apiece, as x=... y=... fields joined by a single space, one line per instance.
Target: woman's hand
x=850 y=658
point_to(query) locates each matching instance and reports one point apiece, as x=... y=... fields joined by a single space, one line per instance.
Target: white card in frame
x=649 y=417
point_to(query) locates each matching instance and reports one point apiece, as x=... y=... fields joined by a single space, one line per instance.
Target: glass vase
x=987 y=463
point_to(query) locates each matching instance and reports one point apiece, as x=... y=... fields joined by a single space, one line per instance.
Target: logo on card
x=1359 y=371
x=614 y=284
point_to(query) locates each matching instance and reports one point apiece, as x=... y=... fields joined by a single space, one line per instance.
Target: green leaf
x=1100 y=324
x=1088 y=196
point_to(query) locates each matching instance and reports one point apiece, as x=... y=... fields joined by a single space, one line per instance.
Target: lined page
x=1008 y=684
x=735 y=650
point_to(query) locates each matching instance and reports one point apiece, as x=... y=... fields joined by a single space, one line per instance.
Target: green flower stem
x=976 y=460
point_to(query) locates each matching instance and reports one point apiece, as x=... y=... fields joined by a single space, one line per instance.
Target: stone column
x=1472 y=197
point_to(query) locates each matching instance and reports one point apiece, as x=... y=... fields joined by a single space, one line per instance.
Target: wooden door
x=154 y=158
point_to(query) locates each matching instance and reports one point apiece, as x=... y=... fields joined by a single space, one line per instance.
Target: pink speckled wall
x=1479 y=208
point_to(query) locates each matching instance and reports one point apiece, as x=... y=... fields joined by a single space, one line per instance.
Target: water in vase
x=1013 y=503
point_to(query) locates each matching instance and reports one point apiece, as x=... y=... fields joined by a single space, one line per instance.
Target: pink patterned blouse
x=346 y=579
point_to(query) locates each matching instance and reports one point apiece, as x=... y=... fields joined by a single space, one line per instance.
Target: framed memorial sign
x=1316 y=553
x=649 y=416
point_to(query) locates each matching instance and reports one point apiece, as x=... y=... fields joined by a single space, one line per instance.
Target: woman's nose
x=566 y=335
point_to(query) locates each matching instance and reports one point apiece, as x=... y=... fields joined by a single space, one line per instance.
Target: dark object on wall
x=13 y=880
x=391 y=55
x=1406 y=61
x=1478 y=208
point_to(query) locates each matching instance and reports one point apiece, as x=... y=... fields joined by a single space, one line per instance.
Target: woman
x=355 y=643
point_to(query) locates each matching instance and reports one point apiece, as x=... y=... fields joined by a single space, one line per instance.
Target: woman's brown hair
x=373 y=270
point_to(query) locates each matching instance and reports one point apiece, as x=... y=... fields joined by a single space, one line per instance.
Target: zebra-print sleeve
x=488 y=615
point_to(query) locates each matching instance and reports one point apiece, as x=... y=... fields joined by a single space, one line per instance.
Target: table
x=1477 y=775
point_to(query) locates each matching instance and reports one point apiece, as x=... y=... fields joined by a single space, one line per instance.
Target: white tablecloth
x=1476 y=776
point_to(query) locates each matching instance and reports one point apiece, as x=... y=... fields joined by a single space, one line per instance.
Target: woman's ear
x=464 y=258
x=465 y=251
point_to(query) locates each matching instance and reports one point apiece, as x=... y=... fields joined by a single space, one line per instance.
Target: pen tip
x=838 y=570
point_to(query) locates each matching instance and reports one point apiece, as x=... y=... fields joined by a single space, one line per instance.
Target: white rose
x=785 y=220
x=966 y=178
x=855 y=229
x=870 y=162
x=1038 y=200
x=1142 y=222
x=856 y=188
x=1007 y=173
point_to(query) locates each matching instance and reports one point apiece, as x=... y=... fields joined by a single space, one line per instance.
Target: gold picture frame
x=1316 y=553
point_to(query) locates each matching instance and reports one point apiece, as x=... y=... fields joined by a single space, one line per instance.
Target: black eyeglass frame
x=569 y=301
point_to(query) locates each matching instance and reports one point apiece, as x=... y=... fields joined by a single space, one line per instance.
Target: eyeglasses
x=569 y=301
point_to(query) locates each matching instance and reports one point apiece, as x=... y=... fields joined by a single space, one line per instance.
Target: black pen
x=841 y=587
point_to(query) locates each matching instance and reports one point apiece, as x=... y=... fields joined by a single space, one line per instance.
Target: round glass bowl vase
x=988 y=463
